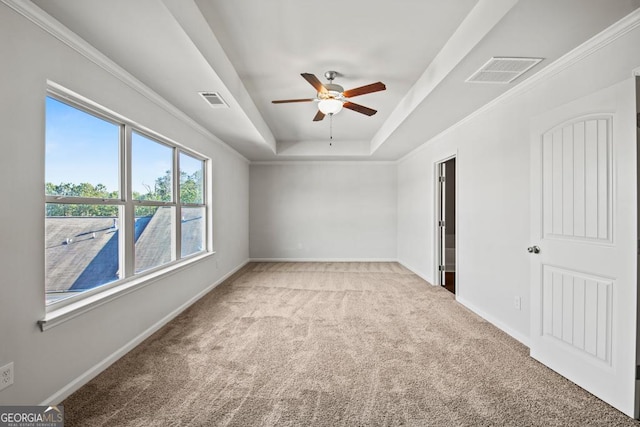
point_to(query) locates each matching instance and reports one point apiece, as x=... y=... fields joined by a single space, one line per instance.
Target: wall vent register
x=503 y=70
x=214 y=99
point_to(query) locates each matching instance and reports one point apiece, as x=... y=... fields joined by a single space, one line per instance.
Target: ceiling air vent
x=502 y=70
x=214 y=99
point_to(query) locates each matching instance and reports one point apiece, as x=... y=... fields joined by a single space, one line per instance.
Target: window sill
x=60 y=315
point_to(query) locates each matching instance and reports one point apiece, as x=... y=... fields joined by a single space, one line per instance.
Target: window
x=120 y=201
x=152 y=185
x=192 y=207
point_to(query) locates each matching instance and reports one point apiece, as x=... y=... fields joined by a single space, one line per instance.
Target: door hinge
x=441 y=268
x=441 y=223
x=441 y=178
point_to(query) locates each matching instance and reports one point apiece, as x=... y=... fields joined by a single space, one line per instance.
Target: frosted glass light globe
x=330 y=106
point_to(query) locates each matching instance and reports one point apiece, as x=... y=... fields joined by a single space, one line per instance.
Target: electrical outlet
x=517 y=303
x=6 y=375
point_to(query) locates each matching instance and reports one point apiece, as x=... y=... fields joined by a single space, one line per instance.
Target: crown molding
x=321 y=162
x=43 y=20
x=480 y=21
x=594 y=44
x=55 y=28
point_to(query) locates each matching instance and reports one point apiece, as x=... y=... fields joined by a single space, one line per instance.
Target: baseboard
x=495 y=322
x=108 y=361
x=91 y=373
x=323 y=260
x=416 y=272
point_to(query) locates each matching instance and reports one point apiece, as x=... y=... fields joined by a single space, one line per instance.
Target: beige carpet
x=332 y=344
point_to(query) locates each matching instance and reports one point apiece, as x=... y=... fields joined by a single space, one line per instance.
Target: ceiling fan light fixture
x=332 y=97
x=330 y=106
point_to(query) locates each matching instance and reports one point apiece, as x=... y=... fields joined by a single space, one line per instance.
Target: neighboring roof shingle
x=82 y=252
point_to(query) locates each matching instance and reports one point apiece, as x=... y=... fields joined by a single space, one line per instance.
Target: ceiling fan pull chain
x=330 y=129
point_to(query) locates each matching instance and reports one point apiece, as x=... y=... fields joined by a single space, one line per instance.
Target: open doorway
x=446 y=217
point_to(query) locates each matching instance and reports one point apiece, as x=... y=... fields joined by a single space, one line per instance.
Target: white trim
x=58 y=314
x=67 y=96
x=92 y=372
x=79 y=302
x=479 y=22
x=408 y=267
x=322 y=162
x=436 y=214
x=62 y=33
x=323 y=260
x=595 y=43
x=52 y=26
x=489 y=318
x=417 y=273
x=494 y=321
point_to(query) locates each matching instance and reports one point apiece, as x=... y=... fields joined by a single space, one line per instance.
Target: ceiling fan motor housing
x=333 y=91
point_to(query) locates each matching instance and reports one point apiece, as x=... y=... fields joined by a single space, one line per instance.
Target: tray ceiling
x=251 y=52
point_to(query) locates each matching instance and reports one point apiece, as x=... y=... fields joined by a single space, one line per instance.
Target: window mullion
x=207 y=198
x=74 y=200
x=152 y=203
x=127 y=238
x=177 y=224
x=135 y=161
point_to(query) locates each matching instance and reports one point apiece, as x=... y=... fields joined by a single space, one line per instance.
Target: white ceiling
x=253 y=51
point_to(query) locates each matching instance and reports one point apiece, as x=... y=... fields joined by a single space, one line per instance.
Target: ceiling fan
x=331 y=97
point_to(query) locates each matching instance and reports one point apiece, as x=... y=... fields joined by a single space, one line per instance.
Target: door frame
x=636 y=74
x=436 y=215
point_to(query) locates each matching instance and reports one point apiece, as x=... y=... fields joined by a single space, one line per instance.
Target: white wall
x=322 y=211
x=47 y=362
x=492 y=215
x=493 y=155
x=330 y=210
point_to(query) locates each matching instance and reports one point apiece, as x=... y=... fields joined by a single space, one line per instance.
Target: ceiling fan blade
x=359 y=108
x=362 y=90
x=284 y=101
x=313 y=81
x=319 y=116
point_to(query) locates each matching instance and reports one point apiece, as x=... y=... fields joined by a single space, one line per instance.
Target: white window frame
x=69 y=307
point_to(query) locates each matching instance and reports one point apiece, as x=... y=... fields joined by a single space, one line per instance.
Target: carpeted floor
x=332 y=344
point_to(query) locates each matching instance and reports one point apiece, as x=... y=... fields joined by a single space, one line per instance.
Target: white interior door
x=583 y=285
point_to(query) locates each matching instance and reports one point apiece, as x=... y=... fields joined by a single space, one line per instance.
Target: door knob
x=533 y=250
